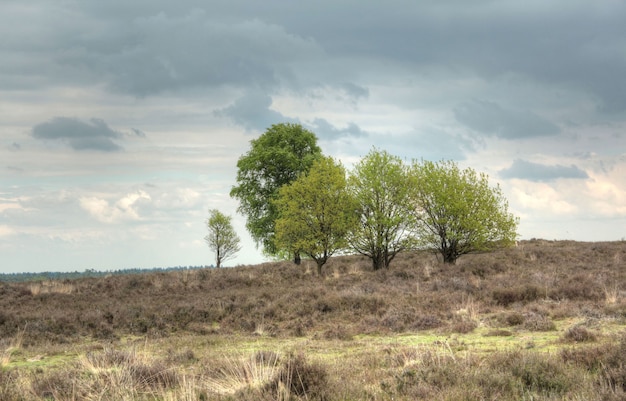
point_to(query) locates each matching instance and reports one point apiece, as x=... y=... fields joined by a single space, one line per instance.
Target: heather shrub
x=524 y=294
x=301 y=378
x=9 y=389
x=499 y=333
x=579 y=334
x=589 y=358
x=578 y=287
x=514 y=319
x=538 y=322
x=463 y=326
x=614 y=367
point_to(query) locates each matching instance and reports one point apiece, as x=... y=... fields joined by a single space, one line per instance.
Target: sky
x=121 y=122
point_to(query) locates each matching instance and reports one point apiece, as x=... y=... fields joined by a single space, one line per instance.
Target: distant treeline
x=43 y=276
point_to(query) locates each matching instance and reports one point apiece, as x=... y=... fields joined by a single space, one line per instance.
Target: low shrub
x=499 y=333
x=579 y=334
x=513 y=319
x=537 y=322
x=301 y=378
x=614 y=367
x=463 y=326
x=523 y=294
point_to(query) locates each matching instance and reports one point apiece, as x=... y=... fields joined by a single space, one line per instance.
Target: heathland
x=544 y=320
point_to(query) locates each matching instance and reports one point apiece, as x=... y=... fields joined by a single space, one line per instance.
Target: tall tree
x=316 y=212
x=457 y=212
x=222 y=238
x=379 y=185
x=275 y=159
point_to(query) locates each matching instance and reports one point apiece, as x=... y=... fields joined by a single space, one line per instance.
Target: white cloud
x=6 y=231
x=537 y=200
x=124 y=209
x=607 y=196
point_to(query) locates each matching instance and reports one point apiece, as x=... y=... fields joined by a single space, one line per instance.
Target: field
x=542 y=321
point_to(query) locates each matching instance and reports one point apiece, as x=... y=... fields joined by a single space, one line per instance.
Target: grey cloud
x=15 y=169
x=135 y=50
x=253 y=112
x=431 y=143
x=167 y=52
x=325 y=130
x=496 y=39
x=79 y=135
x=138 y=133
x=355 y=91
x=491 y=119
x=14 y=147
x=539 y=172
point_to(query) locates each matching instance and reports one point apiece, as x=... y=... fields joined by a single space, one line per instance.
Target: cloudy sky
x=121 y=122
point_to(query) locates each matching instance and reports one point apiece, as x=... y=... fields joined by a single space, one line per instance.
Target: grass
x=540 y=321
x=11 y=349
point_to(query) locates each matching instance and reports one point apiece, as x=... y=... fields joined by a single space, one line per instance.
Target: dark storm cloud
x=560 y=44
x=491 y=119
x=148 y=47
x=166 y=52
x=79 y=135
x=541 y=173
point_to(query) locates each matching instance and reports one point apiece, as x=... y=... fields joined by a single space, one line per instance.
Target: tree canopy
x=275 y=159
x=316 y=212
x=222 y=238
x=457 y=212
x=379 y=185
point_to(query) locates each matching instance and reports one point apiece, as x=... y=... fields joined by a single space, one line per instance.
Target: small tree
x=316 y=213
x=275 y=159
x=457 y=212
x=379 y=184
x=222 y=238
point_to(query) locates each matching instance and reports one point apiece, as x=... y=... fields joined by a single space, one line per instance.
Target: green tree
x=222 y=238
x=316 y=212
x=457 y=212
x=275 y=159
x=379 y=184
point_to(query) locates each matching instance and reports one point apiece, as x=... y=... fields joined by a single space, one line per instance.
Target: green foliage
x=379 y=186
x=316 y=212
x=222 y=238
x=275 y=159
x=458 y=212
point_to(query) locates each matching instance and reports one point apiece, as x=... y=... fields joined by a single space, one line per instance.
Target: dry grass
x=50 y=287
x=244 y=372
x=521 y=323
x=611 y=293
x=12 y=347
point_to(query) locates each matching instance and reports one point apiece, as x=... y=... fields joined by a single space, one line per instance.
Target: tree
x=222 y=238
x=457 y=212
x=379 y=185
x=316 y=212
x=275 y=159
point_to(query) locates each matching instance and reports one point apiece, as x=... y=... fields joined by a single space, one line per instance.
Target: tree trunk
x=449 y=256
x=320 y=263
x=378 y=262
x=296 y=258
x=449 y=259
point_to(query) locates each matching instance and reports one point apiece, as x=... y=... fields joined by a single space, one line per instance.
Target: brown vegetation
x=567 y=288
